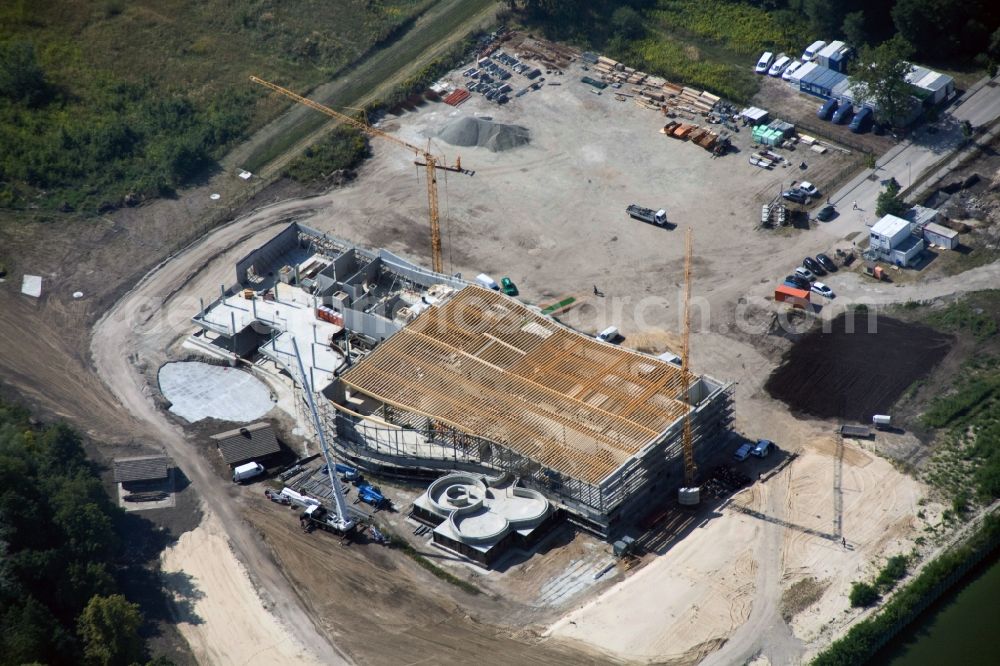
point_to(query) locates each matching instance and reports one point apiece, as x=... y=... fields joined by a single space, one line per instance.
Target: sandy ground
x=680 y=607
x=230 y=625
x=700 y=596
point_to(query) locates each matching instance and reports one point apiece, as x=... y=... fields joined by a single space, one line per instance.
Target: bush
x=861 y=641
x=343 y=148
x=893 y=572
x=863 y=595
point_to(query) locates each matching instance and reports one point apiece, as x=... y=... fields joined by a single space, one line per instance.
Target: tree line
x=60 y=554
x=940 y=31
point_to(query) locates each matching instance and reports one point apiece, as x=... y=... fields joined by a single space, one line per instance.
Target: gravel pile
x=468 y=131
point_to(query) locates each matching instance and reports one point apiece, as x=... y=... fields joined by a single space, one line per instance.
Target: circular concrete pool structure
x=478 y=513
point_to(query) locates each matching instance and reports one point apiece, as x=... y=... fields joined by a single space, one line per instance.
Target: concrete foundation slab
x=199 y=390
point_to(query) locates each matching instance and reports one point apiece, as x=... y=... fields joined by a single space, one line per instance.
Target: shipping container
x=798 y=298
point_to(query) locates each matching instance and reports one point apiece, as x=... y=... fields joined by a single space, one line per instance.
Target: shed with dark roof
x=140 y=468
x=251 y=442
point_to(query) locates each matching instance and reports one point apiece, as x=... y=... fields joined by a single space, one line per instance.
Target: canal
x=959 y=629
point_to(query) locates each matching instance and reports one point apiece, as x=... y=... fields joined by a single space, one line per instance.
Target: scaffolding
x=482 y=382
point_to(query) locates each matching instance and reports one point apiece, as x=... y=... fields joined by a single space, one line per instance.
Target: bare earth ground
x=550 y=215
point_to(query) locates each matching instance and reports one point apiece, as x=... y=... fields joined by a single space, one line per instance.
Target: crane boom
x=690 y=470
x=430 y=162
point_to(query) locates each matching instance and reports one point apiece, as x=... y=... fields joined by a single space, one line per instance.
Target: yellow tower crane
x=689 y=494
x=431 y=162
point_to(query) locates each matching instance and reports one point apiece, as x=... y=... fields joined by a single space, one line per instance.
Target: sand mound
x=468 y=131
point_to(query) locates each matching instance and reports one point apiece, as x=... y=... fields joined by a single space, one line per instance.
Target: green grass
x=368 y=86
x=344 y=148
x=137 y=98
x=741 y=28
x=965 y=316
x=966 y=414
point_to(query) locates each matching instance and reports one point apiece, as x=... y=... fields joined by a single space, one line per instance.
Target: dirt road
x=134 y=323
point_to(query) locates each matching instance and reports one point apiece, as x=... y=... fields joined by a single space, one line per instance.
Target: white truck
x=246 y=472
x=657 y=217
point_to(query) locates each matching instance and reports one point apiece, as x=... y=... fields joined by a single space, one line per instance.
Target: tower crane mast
x=430 y=162
x=690 y=469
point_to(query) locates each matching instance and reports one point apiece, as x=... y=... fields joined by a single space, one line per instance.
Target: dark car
x=827 y=109
x=797 y=196
x=826 y=213
x=862 y=121
x=813 y=265
x=797 y=280
x=843 y=114
x=826 y=262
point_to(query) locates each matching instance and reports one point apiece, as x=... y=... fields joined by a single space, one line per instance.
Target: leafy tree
x=855 y=29
x=947 y=28
x=863 y=594
x=626 y=23
x=109 y=627
x=879 y=75
x=889 y=202
x=21 y=77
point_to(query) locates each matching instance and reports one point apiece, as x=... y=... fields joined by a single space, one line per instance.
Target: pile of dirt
x=854 y=372
x=468 y=131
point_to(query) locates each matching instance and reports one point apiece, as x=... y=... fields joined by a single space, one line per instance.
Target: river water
x=961 y=628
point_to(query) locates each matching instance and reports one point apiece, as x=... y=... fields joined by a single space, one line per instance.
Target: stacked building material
x=457 y=97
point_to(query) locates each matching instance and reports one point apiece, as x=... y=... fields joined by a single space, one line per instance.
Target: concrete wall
x=264 y=257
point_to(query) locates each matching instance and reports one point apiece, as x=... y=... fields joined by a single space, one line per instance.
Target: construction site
x=416 y=372
x=553 y=449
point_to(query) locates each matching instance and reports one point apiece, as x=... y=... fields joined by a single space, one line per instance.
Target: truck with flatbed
x=657 y=217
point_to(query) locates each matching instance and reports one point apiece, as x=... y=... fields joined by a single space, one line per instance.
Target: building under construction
x=448 y=376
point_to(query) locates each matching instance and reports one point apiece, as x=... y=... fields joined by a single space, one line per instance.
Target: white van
x=610 y=334
x=248 y=471
x=765 y=61
x=485 y=280
x=812 y=50
x=779 y=66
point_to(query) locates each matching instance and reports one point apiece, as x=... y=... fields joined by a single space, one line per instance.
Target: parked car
x=827 y=109
x=795 y=196
x=822 y=290
x=787 y=74
x=813 y=265
x=797 y=281
x=743 y=452
x=805 y=273
x=610 y=334
x=826 y=262
x=766 y=59
x=807 y=188
x=762 y=448
x=812 y=50
x=843 y=114
x=863 y=119
x=508 y=287
x=826 y=213
x=779 y=66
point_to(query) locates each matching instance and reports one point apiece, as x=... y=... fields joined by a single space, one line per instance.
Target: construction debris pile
x=469 y=131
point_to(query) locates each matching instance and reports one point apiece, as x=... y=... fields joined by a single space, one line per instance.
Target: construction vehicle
x=689 y=494
x=430 y=161
x=657 y=217
x=371 y=495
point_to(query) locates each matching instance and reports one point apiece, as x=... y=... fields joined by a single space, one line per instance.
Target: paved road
x=908 y=161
